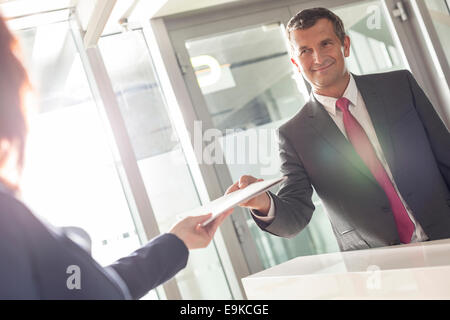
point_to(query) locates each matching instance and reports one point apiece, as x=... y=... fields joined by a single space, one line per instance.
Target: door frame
x=222 y=176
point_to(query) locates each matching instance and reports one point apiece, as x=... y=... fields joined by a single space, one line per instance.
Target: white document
x=222 y=204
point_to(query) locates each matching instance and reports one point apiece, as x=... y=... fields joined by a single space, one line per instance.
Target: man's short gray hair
x=307 y=18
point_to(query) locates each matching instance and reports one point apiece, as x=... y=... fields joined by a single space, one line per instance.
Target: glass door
x=249 y=87
x=241 y=81
x=71 y=177
x=160 y=158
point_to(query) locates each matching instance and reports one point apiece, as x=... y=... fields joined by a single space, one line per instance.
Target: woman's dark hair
x=14 y=85
x=307 y=18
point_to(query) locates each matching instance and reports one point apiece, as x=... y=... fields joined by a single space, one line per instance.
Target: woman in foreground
x=36 y=259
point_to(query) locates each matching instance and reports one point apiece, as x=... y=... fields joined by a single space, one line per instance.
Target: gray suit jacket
x=314 y=153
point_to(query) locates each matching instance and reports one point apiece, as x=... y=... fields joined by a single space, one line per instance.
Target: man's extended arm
x=293 y=204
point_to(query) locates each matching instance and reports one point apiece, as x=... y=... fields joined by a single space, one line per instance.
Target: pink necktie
x=365 y=150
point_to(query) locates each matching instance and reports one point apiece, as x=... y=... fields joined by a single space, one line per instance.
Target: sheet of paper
x=231 y=200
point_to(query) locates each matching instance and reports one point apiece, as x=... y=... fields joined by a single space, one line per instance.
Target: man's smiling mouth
x=323 y=68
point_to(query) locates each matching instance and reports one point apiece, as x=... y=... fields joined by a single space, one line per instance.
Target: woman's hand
x=194 y=236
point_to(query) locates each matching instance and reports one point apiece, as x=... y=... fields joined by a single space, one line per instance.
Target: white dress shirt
x=358 y=109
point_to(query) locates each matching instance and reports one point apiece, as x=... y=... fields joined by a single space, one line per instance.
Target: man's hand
x=260 y=203
x=194 y=236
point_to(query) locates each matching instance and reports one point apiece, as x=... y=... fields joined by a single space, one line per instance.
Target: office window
x=70 y=176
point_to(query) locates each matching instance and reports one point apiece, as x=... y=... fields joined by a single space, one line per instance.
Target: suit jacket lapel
x=328 y=129
x=377 y=110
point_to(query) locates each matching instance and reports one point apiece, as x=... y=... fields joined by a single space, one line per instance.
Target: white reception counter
x=412 y=271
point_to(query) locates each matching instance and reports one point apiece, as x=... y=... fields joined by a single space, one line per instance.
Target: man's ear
x=346 y=46
x=295 y=63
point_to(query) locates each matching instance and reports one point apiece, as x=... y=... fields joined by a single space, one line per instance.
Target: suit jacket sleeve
x=293 y=202
x=437 y=133
x=153 y=264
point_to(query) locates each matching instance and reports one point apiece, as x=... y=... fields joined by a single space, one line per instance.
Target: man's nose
x=317 y=57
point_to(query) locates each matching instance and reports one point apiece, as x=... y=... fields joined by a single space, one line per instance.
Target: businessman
x=371 y=146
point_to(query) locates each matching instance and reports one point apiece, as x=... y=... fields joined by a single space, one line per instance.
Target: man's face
x=319 y=54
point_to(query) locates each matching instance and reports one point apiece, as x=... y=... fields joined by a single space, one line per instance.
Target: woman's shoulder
x=16 y=274
x=40 y=259
x=13 y=212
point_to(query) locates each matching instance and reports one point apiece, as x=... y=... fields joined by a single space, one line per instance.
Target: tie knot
x=343 y=103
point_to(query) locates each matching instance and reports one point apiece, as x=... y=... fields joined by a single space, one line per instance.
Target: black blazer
x=35 y=258
x=315 y=153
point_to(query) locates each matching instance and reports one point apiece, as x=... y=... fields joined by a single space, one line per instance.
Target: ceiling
x=16 y=8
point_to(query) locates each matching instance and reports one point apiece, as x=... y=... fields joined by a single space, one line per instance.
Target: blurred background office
x=122 y=85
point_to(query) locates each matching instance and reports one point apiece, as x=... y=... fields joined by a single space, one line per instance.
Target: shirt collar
x=329 y=103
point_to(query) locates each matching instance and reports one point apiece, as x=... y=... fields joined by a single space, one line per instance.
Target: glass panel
x=245 y=77
x=372 y=47
x=70 y=176
x=249 y=87
x=160 y=158
x=248 y=83
x=440 y=15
